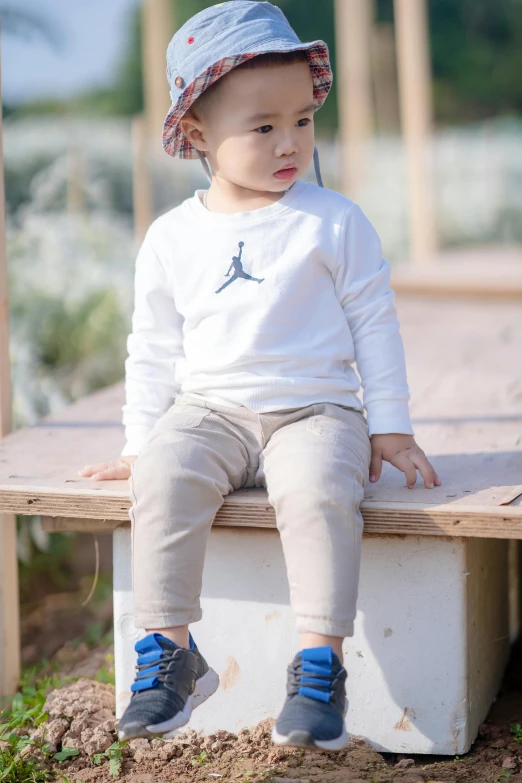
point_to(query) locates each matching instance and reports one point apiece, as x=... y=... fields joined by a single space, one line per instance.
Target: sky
x=92 y=34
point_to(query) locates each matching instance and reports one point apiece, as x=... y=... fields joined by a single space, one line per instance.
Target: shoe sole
x=206 y=686
x=303 y=739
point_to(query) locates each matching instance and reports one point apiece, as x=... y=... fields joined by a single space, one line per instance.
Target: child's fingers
x=375 y=467
x=425 y=468
x=103 y=471
x=401 y=461
x=119 y=470
x=89 y=470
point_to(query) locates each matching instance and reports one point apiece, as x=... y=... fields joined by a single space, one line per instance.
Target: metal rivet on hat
x=178 y=81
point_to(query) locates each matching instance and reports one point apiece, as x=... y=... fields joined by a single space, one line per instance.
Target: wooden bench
x=438 y=599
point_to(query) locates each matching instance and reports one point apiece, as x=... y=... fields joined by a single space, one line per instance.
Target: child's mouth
x=286 y=173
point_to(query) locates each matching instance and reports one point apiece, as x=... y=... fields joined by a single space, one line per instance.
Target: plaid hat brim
x=176 y=144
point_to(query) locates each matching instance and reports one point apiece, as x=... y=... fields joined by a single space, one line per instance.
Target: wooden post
x=9 y=599
x=384 y=72
x=75 y=180
x=158 y=29
x=411 y=29
x=141 y=190
x=514 y=589
x=353 y=21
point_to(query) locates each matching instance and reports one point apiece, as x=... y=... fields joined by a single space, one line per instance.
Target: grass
x=26 y=711
x=27 y=706
x=18 y=769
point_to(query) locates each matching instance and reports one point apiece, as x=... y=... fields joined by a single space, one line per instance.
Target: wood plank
x=9 y=611
x=467 y=408
x=38 y=468
x=250 y=508
x=471 y=477
x=79 y=525
x=488 y=272
x=462 y=360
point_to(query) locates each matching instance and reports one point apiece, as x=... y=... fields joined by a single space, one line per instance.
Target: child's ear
x=194 y=130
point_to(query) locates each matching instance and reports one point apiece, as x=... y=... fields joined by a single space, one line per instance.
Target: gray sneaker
x=315 y=707
x=170 y=682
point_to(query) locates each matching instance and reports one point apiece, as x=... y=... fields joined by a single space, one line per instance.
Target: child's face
x=258 y=129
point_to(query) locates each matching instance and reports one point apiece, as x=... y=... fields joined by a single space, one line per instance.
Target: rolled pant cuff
x=157 y=621
x=324 y=626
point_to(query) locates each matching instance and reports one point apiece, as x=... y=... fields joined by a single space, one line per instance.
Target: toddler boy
x=253 y=300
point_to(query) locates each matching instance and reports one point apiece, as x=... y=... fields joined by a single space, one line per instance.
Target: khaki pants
x=314 y=462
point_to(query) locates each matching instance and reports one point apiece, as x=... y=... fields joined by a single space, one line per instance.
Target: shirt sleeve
x=363 y=288
x=154 y=346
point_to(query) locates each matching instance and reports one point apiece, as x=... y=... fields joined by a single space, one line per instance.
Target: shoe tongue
x=164 y=643
x=319 y=656
x=154 y=644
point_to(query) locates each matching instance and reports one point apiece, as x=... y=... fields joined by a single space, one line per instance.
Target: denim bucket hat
x=220 y=38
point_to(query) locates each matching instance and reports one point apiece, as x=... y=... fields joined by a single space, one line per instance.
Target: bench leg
x=9 y=607
x=514 y=589
x=125 y=632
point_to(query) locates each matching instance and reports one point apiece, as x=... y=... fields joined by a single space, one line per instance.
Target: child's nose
x=287 y=144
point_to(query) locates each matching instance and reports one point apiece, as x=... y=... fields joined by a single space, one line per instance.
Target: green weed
x=27 y=706
x=19 y=769
x=26 y=710
x=106 y=673
x=199 y=759
x=66 y=753
x=516 y=730
x=114 y=755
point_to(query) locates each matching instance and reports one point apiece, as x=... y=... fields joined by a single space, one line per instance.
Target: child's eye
x=304 y=122
x=264 y=129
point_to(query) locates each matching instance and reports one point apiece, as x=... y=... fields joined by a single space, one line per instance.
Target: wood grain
x=250 y=508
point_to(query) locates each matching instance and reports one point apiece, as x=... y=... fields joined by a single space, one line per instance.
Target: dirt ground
x=81 y=717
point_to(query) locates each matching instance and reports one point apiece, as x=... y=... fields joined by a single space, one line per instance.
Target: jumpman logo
x=237 y=266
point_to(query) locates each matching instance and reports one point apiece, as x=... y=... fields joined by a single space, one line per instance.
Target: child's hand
x=404 y=454
x=120 y=469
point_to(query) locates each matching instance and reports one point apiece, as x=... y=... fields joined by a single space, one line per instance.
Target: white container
x=425 y=663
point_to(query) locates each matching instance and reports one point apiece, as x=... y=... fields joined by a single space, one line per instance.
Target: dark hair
x=266 y=60
x=269 y=59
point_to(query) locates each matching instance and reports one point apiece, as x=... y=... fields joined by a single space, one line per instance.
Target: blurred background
x=75 y=78
x=437 y=167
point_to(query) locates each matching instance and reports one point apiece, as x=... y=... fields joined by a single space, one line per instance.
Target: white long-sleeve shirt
x=269 y=309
